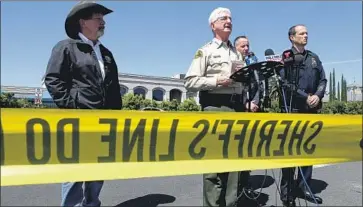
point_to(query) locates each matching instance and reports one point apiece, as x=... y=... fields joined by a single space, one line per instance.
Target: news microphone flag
x=270 y=56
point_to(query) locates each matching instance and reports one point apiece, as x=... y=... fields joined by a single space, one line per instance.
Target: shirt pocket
x=217 y=61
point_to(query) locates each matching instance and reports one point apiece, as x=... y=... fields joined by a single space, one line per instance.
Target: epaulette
x=206 y=44
x=311 y=53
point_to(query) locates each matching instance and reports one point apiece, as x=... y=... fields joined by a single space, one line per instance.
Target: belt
x=219 y=98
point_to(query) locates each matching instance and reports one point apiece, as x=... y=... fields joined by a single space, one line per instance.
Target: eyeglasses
x=224 y=18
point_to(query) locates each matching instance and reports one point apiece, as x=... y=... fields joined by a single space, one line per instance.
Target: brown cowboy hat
x=76 y=13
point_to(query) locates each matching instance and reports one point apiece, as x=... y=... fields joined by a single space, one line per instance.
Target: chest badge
x=313 y=62
x=108 y=59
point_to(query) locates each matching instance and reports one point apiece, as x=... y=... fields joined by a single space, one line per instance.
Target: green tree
x=137 y=102
x=339 y=92
x=330 y=88
x=334 y=94
x=335 y=107
x=132 y=102
x=155 y=104
x=173 y=106
x=149 y=103
x=344 y=90
x=169 y=105
x=189 y=105
x=8 y=100
x=354 y=107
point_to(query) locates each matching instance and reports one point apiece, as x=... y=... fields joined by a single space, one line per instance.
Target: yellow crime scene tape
x=53 y=146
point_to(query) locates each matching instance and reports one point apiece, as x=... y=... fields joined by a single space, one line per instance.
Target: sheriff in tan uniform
x=209 y=75
x=211 y=63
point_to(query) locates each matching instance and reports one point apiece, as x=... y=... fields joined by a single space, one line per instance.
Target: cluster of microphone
x=287 y=57
x=269 y=56
x=263 y=84
x=290 y=62
x=291 y=65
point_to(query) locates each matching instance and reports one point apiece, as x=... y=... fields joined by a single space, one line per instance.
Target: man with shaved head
x=209 y=75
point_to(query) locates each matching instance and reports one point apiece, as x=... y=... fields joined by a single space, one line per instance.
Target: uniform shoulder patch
x=198 y=54
x=313 y=62
x=200 y=51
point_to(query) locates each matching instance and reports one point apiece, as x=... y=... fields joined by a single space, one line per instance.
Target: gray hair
x=216 y=13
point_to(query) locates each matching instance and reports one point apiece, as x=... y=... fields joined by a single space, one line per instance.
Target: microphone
x=288 y=57
x=269 y=52
x=292 y=63
x=288 y=60
x=270 y=56
x=251 y=58
x=298 y=59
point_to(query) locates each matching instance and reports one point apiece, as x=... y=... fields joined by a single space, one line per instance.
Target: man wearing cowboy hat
x=82 y=74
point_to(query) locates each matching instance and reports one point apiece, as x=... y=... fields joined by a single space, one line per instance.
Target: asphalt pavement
x=338 y=185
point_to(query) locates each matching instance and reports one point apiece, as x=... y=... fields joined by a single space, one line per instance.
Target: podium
x=258 y=73
x=265 y=70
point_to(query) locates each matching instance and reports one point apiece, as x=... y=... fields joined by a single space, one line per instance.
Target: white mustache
x=100 y=33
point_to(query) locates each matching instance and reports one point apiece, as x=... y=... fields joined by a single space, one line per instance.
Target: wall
x=168 y=86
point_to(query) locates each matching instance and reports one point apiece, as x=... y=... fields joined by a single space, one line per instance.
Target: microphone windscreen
x=288 y=56
x=298 y=59
x=251 y=54
x=251 y=58
x=269 y=52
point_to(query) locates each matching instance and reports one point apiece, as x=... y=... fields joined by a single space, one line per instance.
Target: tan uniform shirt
x=211 y=61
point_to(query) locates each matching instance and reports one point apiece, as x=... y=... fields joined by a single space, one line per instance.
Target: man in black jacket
x=312 y=82
x=82 y=74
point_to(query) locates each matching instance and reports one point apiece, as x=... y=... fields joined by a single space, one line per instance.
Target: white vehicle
x=151 y=109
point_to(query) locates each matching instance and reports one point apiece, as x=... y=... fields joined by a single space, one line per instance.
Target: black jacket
x=74 y=81
x=312 y=80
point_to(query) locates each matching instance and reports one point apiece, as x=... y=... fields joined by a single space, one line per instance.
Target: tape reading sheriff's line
x=53 y=137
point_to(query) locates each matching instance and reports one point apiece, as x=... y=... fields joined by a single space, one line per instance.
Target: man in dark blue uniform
x=312 y=82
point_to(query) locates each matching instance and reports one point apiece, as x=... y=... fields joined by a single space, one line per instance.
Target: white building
x=354 y=92
x=151 y=87
x=154 y=87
